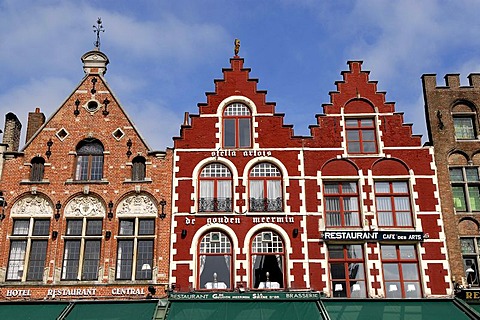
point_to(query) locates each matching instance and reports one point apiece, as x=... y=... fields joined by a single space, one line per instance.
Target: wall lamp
x=58 y=206
x=295 y=232
x=3 y=204
x=110 y=213
x=54 y=235
x=163 y=215
x=184 y=233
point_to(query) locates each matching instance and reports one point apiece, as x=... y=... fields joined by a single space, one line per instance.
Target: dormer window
x=138 y=169
x=37 y=169
x=237 y=127
x=361 y=136
x=89 y=161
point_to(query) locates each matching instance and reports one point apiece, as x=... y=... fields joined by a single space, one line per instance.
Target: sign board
x=373 y=235
x=235 y=296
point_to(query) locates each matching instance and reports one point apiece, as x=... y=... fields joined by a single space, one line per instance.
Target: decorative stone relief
x=32 y=205
x=138 y=204
x=85 y=206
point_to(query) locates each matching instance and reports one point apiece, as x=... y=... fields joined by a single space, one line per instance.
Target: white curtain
x=16 y=260
x=402 y=206
x=333 y=218
x=350 y=208
x=384 y=209
x=274 y=189
x=227 y=261
x=224 y=189
x=256 y=189
x=203 y=258
x=206 y=189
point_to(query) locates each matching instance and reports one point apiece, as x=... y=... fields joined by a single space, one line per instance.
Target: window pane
x=144 y=259
x=16 y=260
x=369 y=147
x=41 y=227
x=464 y=128
x=351 y=123
x=382 y=187
x=407 y=252
x=331 y=188
x=467 y=245
x=216 y=265
x=335 y=252
x=81 y=171
x=74 y=227
x=90 y=260
x=459 y=198
x=409 y=271
x=353 y=135
x=474 y=197
x=388 y=252
x=337 y=270
x=36 y=265
x=97 y=168
x=472 y=174
x=412 y=289
x=146 y=227
x=244 y=132
x=71 y=260
x=353 y=147
x=400 y=187
x=456 y=174
x=126 y=228
x=229 y=133
x=124 y=259
x=368 y=135
x=20 y=227
x=366 y=122
x=349 y=187
x=354 y=251
x=393 y=290
x=94 y=227
x=390 y=271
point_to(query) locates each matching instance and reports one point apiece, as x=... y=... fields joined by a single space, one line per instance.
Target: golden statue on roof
x=237 y=46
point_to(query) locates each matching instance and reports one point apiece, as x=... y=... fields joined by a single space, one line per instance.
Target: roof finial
x=237 y=46
x=97 y=29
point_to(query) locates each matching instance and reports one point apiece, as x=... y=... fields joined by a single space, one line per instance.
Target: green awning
x=475 y=307
x=138 y=310
x=243 y=310
x=431 y=309
x=30 y=311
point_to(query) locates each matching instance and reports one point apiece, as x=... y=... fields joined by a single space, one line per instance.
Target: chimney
x=11 y=134
x=35 y=121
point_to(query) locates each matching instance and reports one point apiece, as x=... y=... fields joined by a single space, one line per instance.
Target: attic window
x=118 y=134
x=62 y=134
x=92 y=106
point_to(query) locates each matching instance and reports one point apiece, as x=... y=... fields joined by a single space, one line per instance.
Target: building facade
x=351 y=210
x=453 y=123
x=86 y=210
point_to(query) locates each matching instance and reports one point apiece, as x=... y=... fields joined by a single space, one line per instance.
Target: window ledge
x=44 y=181
x=147 y=180
x=71 y=181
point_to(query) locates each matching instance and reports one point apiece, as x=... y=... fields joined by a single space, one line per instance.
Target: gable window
x=341 y=204
x=465 y=188
x=347 y=270
x=268 y=261
x=82 y=249
x=360 y=136
x=138 y=168
x=471 y=254
x=37 y=169
x=135 y=249
x=28 y=249
x=400 y=271
x=215 y=189
x=237 y=126
x=393 y=204
x=215 y=261
x=265 y=188
x=89 y=161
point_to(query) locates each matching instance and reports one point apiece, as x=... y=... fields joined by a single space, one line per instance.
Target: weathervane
x=237 y=46
x=97 y=29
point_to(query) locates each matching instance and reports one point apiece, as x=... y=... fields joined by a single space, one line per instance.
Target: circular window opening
x=92 y=106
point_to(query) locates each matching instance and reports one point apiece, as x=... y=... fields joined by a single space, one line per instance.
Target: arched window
x=37 y=170
x=464 y=122
x=215 y=189
x=138 y=168
x=268 y=261
x=265 y=188
x=237 y=126
x=89 y=160
x=215 y=261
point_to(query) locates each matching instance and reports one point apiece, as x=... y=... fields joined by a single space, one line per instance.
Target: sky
x=164 y=55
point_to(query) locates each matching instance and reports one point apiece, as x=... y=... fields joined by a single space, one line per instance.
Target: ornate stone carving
x=85 y=206
x=33 y=205
x=138 y=204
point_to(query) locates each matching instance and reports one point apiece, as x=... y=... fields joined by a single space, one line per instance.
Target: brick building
x=351 y=211
x=453 y=124
x=87 y=202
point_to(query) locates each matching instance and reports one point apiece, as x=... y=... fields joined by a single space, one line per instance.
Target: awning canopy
x=31 y=311
x=124 y=310
x=243 y=310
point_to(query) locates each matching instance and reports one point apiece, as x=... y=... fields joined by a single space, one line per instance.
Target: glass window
x=393 y=204
x=237 y=125
x=215 y=189
x=89 y=164
x=37 y=170
x=361 y=137
x=81 y=257
x=400 y=271
x=28 y=250
x=341 y=204
x=464 y=127
x=138 y=168
x=471 y=257
x=268 y=261
x=135 y=249
x=465 y=188
x=266 y=194
x=347 y=271
x=215 y=261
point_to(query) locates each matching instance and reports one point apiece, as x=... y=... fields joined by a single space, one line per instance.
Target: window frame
x=341 y=203
x=139 y=168
x=392 y=195
x=471 y=128
x=275 y=246
x=89 y=160
x=472 y=255
x=465 y=184
x=37 y=170
x=346 y=261
x=216 y=173
x=236 y=113
x=361 y=130
x=267 y=203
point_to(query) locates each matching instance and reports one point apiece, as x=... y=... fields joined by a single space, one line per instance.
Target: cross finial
x=97 y=29
x=237 y=46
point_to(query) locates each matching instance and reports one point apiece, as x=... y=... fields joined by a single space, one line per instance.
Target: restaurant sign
x=265 y=296
x=373 y=235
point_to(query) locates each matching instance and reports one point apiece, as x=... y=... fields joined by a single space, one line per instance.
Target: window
x=268 y=265
x=81 y=257
x=266 y=188
x=135 y=249
x=28 y=250
x=347 y=270
x=471 y=254
x=215 y=189
x=37 y=170
x=215 y=261
x=360 y=136
x=464 y=127
x=465 y=188
x=237 y=121
x=400 y=271
x=341 y=204
x=89 y=161
x=138 y=169
x=393 y=204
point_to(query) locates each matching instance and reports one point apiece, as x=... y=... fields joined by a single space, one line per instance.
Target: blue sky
x=164 y=55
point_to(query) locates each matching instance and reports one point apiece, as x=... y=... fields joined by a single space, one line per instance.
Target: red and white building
x=351 y=210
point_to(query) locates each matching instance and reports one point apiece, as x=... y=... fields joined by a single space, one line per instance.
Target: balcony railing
x=266 y=205
x=215 y=205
